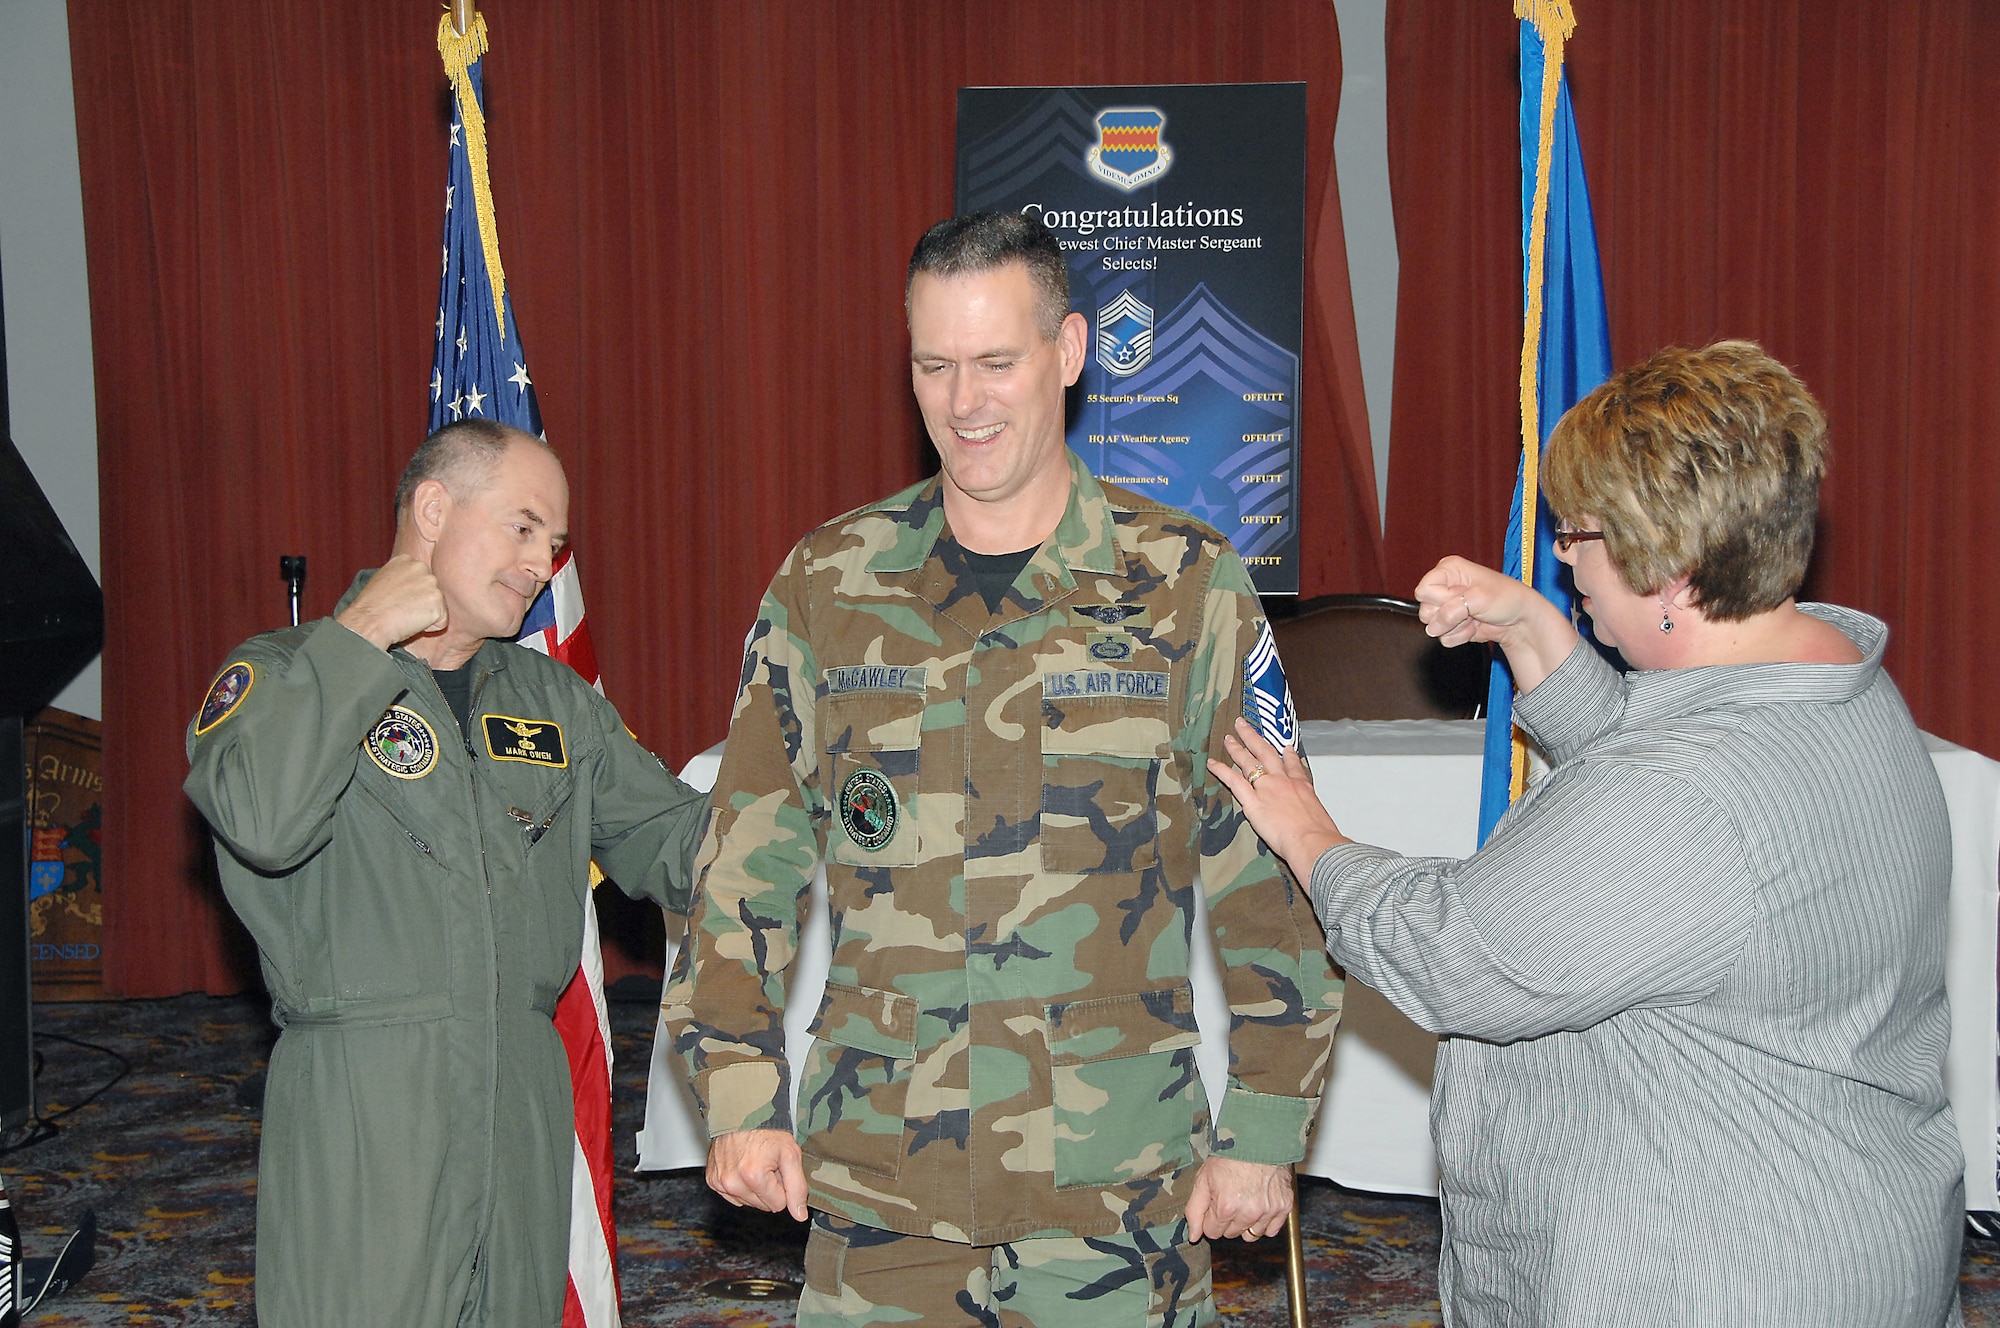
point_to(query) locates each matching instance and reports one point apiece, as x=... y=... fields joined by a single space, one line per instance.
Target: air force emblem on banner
x=1267 y=697
x=1129 y=152
x=1124 y=334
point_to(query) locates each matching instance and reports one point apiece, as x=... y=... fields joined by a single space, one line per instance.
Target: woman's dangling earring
x=1666 y=619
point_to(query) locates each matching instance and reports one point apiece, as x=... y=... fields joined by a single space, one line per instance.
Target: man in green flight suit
x=987 y=705
x=406 y=807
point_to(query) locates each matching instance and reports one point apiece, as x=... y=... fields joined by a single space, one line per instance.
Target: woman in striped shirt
x=1692 y=988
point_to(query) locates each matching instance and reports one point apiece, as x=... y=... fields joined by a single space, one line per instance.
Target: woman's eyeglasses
x=1567 y=539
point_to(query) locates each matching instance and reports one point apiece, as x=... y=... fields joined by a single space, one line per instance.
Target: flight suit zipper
x=493 y=959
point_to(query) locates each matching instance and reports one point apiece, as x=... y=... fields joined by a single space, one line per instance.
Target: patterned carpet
x=167 y=1158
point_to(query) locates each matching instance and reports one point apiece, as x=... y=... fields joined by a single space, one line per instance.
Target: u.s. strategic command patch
x=536 y=741
x=224 y=695
x=402 y=743
x=868 y=809
x=1267 y=697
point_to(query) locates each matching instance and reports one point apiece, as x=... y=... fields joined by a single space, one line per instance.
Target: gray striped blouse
x=1693 y=993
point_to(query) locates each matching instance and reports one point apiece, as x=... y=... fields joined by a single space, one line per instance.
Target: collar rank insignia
x=1111 y=615
x=224 y=695
x=402 y=743
x=868 y=809
x=535 y=741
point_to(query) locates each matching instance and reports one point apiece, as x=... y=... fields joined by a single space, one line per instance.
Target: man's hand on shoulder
x=759 y=1169
x=400 y=601
x=1231 y=1199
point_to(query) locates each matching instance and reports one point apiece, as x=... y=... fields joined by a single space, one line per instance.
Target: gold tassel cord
x=460 y=54
x=1553 y=21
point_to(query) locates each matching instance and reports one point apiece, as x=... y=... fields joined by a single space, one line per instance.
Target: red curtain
x=705 y=211
x=1817 y=177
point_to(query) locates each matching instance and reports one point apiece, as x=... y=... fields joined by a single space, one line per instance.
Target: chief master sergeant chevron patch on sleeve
x=1267 y=697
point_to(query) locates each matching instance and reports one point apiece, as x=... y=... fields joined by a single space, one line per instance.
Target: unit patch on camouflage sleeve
x=536 y=741
x=1267 y=697
x=875 y=678
x=402 y=743
x=224 y=695
x=868 y=809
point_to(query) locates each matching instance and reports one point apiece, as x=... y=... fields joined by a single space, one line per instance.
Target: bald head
x=461 y=456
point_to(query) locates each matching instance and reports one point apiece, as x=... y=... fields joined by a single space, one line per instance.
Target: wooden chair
x=1367 y=657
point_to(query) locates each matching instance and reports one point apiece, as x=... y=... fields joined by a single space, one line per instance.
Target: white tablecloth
x=1413 y=786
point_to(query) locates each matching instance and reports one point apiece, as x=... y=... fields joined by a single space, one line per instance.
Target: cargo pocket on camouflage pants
x=1124 y=1084
x=857 y=1077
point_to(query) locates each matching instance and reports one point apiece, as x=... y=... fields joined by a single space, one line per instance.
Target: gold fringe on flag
x=460 y=53
x=1553 y=21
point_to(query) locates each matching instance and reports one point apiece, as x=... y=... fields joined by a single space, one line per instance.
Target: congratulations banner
x=1182 y=210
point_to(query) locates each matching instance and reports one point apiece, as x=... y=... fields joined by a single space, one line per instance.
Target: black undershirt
x=456 y=684
x=995 y=572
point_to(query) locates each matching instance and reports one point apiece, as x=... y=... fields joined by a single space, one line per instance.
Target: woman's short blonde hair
x=1704 y=463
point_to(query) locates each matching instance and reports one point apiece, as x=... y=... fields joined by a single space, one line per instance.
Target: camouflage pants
x=858 y=1275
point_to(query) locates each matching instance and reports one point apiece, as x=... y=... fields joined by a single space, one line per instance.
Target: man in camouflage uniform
x=987 y=704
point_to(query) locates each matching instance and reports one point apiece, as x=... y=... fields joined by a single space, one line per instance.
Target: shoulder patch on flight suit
x=224 y=695
x=403 y=744
x=535 y=741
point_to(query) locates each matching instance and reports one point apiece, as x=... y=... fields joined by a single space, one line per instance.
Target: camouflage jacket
x=1013 y=810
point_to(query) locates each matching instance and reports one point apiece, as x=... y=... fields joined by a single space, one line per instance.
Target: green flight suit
x=417 y=897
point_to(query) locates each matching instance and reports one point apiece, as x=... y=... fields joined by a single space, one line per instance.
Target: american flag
x=480 y=370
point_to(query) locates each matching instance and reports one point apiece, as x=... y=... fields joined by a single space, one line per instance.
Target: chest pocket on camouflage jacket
x=1104 y=735
x=873 y=741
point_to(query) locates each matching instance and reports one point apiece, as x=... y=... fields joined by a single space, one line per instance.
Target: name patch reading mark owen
x=1105 y=682
x=536 y=741
x=875 y=678
x=402 y=744
x=868 y=809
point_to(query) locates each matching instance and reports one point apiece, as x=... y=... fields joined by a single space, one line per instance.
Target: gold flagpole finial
x=460 y=51
x=1553 y=20
x=461 y=16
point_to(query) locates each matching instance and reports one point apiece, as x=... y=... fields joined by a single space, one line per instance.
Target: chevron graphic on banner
x=1124 y=334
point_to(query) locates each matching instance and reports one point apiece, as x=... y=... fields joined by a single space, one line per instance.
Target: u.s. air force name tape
x=1105 y=682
